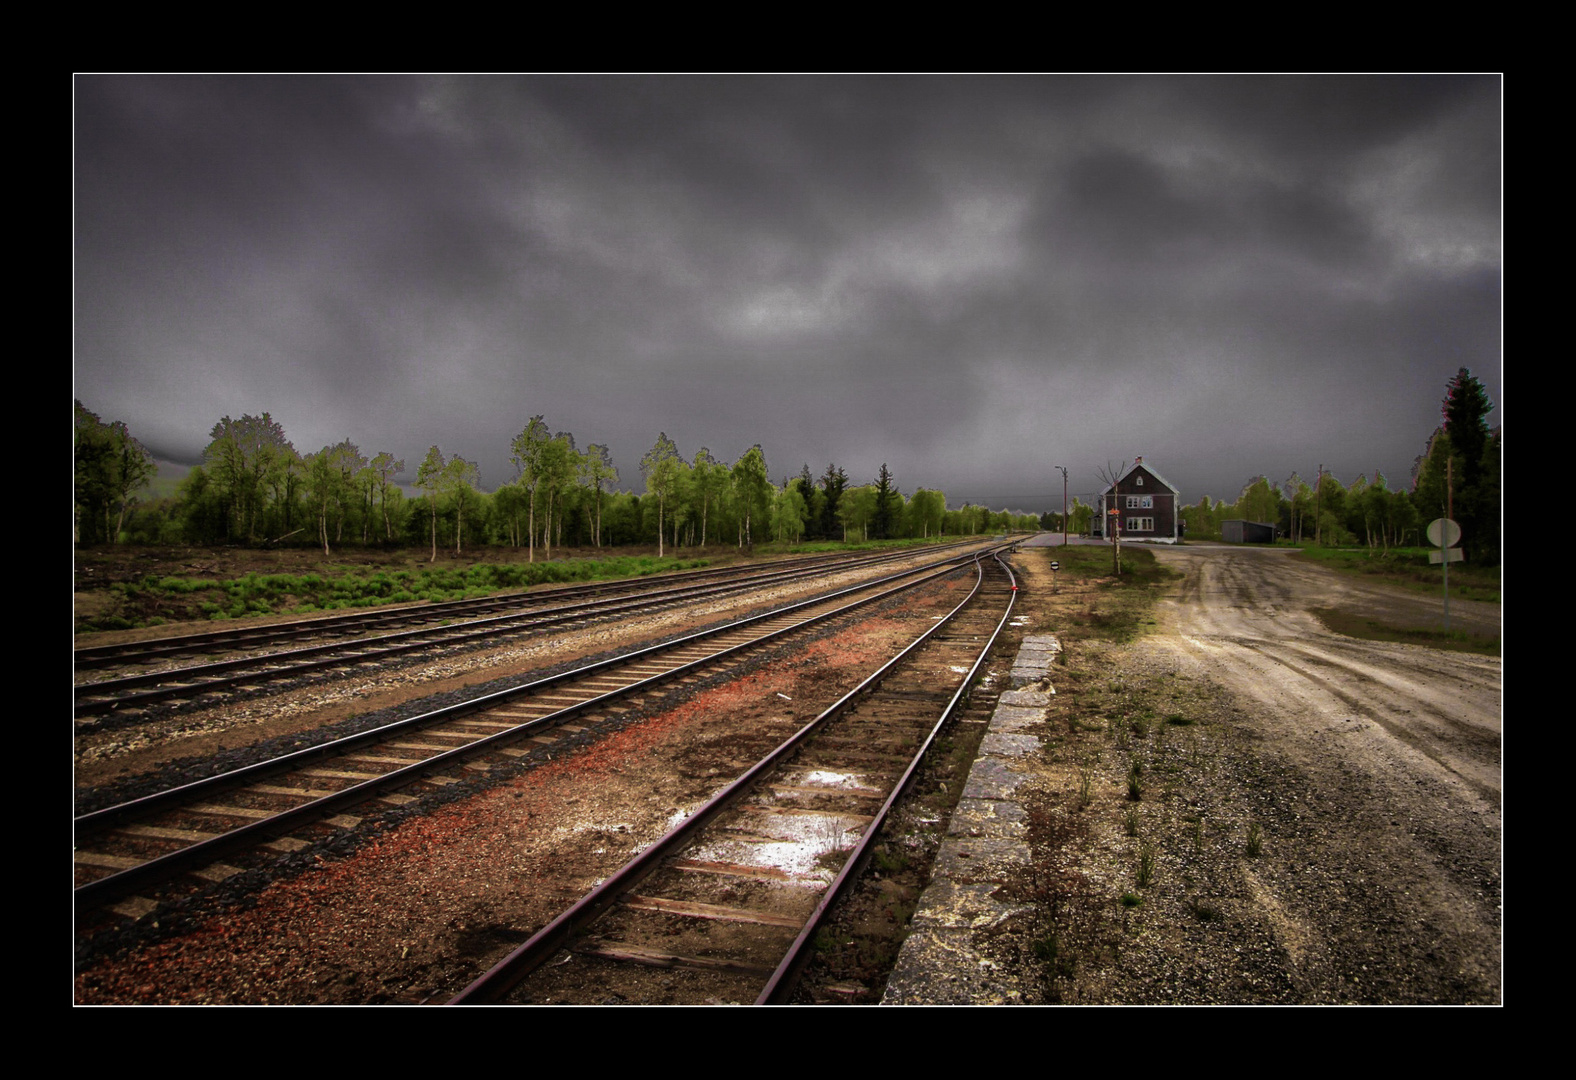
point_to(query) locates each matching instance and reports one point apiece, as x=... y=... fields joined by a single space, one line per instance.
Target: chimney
x=1140 y=460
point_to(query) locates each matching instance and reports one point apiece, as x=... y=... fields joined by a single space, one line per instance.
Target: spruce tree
x=1465 y=410
x=881 y=520
x=832 y=484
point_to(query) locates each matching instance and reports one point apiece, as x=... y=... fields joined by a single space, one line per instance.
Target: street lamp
x=1064 y=502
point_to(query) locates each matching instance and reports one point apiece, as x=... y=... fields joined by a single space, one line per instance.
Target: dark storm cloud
x=971 y=279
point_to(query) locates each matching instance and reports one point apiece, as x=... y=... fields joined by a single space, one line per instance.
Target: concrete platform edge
x=939 y=964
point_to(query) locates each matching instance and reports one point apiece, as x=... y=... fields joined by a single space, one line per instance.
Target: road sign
x=1056 y=566
x=1443 y=534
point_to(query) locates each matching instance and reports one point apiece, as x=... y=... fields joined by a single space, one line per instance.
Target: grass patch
x=171 y=598
x=1146 y=864
x=1086 y=783
x=1135 y=779
x=1255 y=842
x=1102 y=605
x=821 y=547
x=1410 y=567
x=891 y=861
x=1360 y=626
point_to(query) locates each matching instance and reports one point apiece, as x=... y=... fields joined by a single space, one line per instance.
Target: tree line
x=254 y=488
x=1459 y=466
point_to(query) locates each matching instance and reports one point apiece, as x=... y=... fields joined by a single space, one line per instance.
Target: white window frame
x=1140 y=524
x=1140 y=502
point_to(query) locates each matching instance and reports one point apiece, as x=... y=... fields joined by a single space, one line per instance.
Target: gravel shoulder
x=1242 y=807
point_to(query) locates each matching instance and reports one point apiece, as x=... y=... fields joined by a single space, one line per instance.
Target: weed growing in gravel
x=831 y=837
x=1255 y=845
x=1135 y=778
x=1131 y=899
x=1202 y=911
x=1130 y=821
x=1198 y=835
x=1086 y=782
x=890 y=861
x=1146 y=864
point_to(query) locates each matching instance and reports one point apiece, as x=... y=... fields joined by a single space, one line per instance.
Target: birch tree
x=526 y=453
x=556 y=463
x=386 y=467
x=109 y=466
x=241 y=457
x=711 y=480
x=429 y=480
x=597 y=471
x=460 y=479
x=752 y=486
x=660 y=467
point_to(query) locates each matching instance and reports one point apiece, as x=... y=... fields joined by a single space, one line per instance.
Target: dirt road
x=1383 y=761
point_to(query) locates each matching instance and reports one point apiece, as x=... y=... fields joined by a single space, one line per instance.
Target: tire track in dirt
x=1393 y=751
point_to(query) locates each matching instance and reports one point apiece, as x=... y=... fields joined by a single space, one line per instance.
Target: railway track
x=435 y=630
x=241 y=636
x=183 y=839
x=729 y=901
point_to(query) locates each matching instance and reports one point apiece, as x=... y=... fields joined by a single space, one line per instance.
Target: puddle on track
x=792 y=843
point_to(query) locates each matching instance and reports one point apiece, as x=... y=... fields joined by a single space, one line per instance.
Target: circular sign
x=1442 y=532
x=1056 y=566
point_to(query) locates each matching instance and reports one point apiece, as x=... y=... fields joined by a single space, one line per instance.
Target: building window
x=1138 y=480
x=1140 y=524
x=1140 y=502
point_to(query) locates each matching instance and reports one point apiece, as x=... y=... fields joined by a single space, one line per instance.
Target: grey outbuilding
x=1247 y=532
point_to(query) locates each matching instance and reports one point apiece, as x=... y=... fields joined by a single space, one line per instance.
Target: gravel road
x=1385 y=759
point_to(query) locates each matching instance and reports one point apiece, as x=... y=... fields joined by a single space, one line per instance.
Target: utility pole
x=1449 y=516
x=1064 y=502
x=1318 y=525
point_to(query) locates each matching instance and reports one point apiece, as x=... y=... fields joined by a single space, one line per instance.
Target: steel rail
x=114 y=815
x=105 y=696
x=121 y=883
x=243 y=636
x=545 y=943
x=783 y=979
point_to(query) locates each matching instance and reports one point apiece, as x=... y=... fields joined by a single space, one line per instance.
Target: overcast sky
x=970 y=279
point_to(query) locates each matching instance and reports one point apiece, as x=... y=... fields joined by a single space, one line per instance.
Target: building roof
x=1150 y=469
